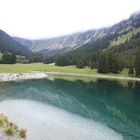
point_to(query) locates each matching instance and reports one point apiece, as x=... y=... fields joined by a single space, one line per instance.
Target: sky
x=35 y=19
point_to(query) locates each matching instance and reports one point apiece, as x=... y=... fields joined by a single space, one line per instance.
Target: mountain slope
x=63 y=44
x=57 y=45
x=123 y=39
x=8 y=44
x=105 y=38
x=117 y=36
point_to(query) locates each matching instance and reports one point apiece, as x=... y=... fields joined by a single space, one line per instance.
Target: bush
x=22 y=133
x=10 y=131
x=3 y=120
x=80 y=66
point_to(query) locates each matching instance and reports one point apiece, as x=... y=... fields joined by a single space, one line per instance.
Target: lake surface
x=66 y=109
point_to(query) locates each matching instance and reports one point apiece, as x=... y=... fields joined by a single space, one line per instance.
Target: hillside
x=58 y=45
x=63 y=44
x=122 y=38
x=8 y=44
x=110 y=37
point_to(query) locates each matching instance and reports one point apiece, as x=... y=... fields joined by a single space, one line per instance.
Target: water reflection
x=114 y=103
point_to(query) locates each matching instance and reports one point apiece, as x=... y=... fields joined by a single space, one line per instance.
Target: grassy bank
x=17 y=68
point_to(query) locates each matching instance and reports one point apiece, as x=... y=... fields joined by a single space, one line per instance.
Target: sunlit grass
x=17 y=68
x=42 y=67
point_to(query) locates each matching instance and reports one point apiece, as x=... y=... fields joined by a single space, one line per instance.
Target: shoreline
x=95 y=76
x=21 y=76
x=38 y=75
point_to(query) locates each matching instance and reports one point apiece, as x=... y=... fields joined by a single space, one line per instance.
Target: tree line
x=105 y=61
x=8 y=58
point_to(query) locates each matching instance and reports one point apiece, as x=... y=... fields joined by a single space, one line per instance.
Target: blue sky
x=47 y=18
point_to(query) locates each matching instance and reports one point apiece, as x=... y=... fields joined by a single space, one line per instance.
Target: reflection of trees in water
x=108 y=100
x=136 y=94
x=122 y=106
x=103 y=100
x=136 y=101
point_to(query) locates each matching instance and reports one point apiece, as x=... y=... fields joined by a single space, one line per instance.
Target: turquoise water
x=113 y=105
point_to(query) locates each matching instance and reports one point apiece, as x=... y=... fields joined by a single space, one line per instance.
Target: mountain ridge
x=8 y=44
x=117 y=34
x=68 y=43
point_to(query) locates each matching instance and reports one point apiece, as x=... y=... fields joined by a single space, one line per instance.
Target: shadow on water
x=110 y=102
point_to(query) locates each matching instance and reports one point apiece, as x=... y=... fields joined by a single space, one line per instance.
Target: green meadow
x=18 y=68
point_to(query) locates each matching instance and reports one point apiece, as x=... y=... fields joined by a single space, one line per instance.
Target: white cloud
x=45 y=18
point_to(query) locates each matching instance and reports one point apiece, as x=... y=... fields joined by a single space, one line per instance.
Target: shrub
x=10 y=131
x=3 y=120
x=22 y=133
